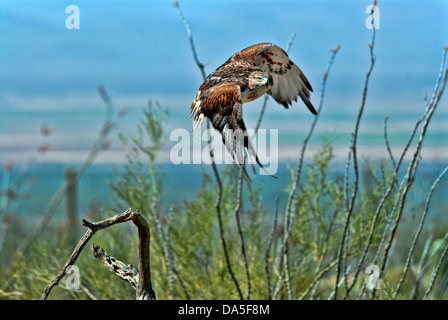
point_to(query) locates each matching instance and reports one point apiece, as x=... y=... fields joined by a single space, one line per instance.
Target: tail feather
x=236 y=149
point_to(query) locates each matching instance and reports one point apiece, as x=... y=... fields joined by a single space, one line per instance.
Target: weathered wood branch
x=141 y=278
x=126 y=272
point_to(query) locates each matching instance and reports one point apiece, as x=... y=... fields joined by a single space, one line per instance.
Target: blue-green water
x=182 y=182
x=74 y=129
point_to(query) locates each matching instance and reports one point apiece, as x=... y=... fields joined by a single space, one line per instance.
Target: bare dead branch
x=144 y=289
x=82 y=242
x=126 y=272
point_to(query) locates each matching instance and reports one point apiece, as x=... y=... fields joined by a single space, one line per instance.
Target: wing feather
x=222 y=104
x=219 y=97
x=289 y=81
x=214 y=102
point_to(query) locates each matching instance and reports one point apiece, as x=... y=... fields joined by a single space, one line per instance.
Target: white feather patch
x=197 y=122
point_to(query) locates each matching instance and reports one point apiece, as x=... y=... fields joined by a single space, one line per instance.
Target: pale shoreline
x=287 y=154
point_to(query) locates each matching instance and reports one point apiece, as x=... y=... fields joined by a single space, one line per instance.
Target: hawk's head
x=258 y=83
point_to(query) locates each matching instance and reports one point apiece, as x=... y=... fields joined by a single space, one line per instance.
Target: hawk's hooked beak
x=266 y=80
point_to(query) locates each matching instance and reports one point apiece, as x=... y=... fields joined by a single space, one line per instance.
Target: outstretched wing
x=289 y=80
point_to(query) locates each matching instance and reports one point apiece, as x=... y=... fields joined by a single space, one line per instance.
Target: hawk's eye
x=263 y=81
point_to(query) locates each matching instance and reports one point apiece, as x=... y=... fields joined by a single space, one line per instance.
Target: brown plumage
x=245 y=76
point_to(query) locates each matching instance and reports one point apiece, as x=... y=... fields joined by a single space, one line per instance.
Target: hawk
x=245 y=76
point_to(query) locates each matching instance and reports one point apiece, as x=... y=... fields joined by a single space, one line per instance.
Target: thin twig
x=317 y=278
x=386 y=195
x=417 y=234
x=200 y=65
x=266 y=98
x=171 y=256
x=434 y=252
x=420 y=271
x=386 y=140
x=414 y=165
x=82 y=242
x=326 y=242
x=380 y=206
x=165 y=250
x=355 y=166
x=298 y=171
x=271 y=238
x=436 y=272
x=394 y=181
x=215 y=169
x=218 y=211
x=237 y=214
x=439 y=77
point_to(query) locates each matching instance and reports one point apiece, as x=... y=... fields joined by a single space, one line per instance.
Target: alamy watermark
x=373 y=277
x=73 y=278
x=73 y=20
x=196 y=150
x=373 y=20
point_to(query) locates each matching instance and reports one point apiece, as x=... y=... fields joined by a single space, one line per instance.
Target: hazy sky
x=139 y=50
x=141 y=47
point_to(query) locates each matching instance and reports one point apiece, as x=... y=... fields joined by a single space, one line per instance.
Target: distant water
x=182 y=182
x=74 y=129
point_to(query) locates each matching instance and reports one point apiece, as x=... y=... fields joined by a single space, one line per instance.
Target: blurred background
x=73 y=102
x=139 y=51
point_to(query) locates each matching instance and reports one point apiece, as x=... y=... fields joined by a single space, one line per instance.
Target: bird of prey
x=245 y=76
